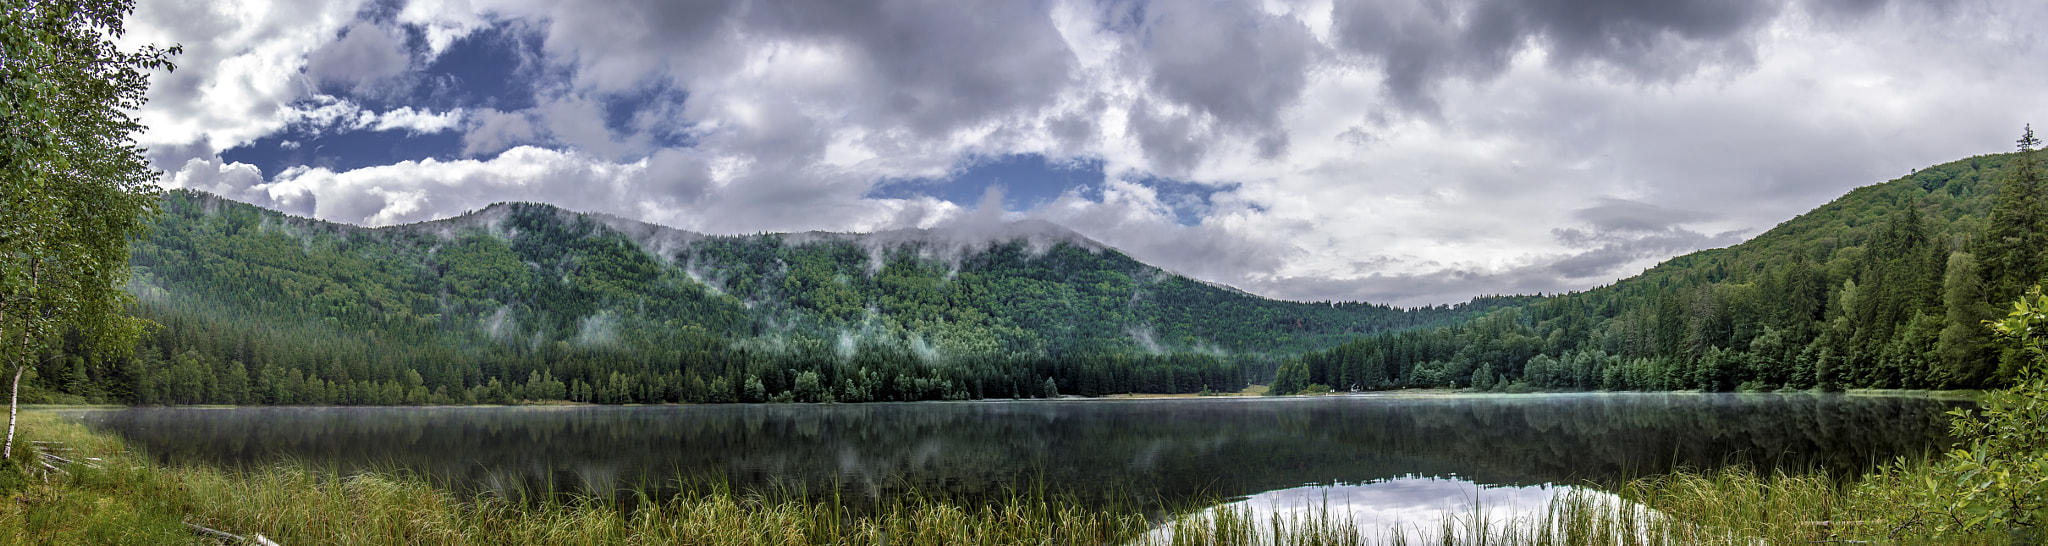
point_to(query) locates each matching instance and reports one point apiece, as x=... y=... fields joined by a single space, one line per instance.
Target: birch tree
x=74 y=185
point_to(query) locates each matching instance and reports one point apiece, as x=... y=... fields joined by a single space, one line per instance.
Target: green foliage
x=1963 y=348
x=2013 y=245
x=1999 y=477
x=74 y=187
x=555 y=305
x=1290 y=379
x=1881 y=288
x=128 y=500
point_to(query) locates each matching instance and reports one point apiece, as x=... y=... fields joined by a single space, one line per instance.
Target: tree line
x=527 y=302
x=1887 y=287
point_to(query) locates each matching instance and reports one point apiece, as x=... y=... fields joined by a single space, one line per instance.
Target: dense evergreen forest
x=531 y=302
x=1886 y=287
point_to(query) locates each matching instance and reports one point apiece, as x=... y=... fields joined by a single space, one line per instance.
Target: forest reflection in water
x=1144 y=453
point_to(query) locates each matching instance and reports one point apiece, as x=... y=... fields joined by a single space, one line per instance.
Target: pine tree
x=1963 y=346
x=2012 y=245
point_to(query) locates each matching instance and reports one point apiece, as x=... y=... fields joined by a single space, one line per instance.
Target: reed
x=1732 y=506
x=128 y=500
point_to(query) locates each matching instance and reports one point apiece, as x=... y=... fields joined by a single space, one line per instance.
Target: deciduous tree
x=74 y=186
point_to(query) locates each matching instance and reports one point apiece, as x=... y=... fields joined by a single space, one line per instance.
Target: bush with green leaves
x=1997 y=477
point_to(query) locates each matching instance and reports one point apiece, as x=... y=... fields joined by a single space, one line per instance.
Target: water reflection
x=1412 y=509
x=1146 y=453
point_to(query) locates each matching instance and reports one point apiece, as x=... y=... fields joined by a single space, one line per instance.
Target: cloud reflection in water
x=1412 y=507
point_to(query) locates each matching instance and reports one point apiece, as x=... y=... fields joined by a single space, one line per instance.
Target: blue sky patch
x=1027 y=181
x=482 y=70
x=343 y=150
x=622 y=109
x=1189 y=201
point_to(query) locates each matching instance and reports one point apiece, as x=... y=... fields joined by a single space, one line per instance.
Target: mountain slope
x=263 y=307
x=1883 y=287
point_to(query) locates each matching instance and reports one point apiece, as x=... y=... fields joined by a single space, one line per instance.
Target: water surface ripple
x=1147 y=453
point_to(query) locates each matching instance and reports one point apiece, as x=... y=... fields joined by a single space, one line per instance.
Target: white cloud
x=410 y=120
x=492 y=131
x=328 y=113
x=1413 y=168
x=366 y=57
x=240 y=72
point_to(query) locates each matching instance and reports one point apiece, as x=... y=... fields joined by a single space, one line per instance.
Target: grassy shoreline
x=1254 y=391
x=128 y=500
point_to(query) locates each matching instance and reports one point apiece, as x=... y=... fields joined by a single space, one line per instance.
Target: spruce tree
x=2011 y=249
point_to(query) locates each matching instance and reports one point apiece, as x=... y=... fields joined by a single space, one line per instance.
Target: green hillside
x=528 y=301
x=1884 y=287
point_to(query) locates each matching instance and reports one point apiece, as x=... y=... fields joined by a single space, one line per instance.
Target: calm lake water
x=1146 y=453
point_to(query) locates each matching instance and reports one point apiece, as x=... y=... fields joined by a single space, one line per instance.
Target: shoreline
x=1945 y=395
x=122 y=498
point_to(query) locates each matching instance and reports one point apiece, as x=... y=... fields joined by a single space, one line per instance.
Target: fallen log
x=258 y=540
x=215 y=533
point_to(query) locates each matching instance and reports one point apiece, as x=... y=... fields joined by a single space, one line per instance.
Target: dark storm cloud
x=1609 y=250
x=1420 y=43
x=937 y=65
x=1227 y=60
x=1623 y=214
x=1173 y=142
x=1077 y=131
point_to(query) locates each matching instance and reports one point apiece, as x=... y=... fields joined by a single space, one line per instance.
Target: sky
x=1406 y=152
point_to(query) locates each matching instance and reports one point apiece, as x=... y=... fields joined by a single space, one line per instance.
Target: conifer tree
x=1963 y=345
x=2012 y=244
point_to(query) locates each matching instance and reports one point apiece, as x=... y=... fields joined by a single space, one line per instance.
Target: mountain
x=1885 y=287
x=529 y=301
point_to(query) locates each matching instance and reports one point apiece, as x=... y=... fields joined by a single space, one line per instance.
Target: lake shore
x=1262 y=390
x=112 y=495
x=1966 y=395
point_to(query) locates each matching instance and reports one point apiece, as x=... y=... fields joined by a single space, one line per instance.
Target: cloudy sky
x=1395 y=151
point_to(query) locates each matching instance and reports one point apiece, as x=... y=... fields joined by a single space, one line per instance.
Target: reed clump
x=123 y=499
x=1732 y=506
x=129 y=501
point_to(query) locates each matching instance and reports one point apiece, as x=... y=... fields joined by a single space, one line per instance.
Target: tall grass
x=128 y=500
x=1730 y=506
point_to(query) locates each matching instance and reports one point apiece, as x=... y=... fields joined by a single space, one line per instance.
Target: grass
x=128 y=500
x=1732 y=507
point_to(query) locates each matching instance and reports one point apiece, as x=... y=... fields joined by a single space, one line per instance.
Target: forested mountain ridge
x=1884 y=287
x=530 y=301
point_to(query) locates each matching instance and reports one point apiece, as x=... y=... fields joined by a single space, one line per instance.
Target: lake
x=1143 y=453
